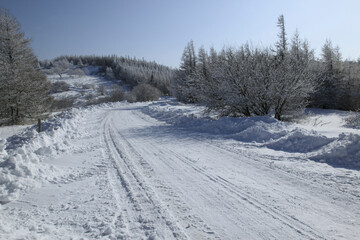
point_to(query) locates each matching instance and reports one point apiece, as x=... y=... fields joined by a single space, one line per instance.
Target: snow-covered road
x=130 y=176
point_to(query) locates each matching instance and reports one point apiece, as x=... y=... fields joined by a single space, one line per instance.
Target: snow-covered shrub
x=145 y=92
x=76 y=71
x=59 y=86
x=353 y=121
x=101 y=90
x=63 y=103
x=116 y=94
x=87 y=86
x=130 y=97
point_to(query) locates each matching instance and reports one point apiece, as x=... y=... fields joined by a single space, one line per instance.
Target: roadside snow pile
x=260 y=129
x=301 y=141
x=342 y=151
x=254 y=129
x=21 y=155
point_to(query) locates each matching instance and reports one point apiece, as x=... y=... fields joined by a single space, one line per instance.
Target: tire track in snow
x=298 y=226
x=143 y=214
x=200 y=230
x=313 y=179
x=200 y=172
x=241 y=199
x=306 y=229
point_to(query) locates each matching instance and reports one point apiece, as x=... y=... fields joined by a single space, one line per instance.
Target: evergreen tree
x=23 y=87
x=187 y=82
x=281 y=44
x=327 y=94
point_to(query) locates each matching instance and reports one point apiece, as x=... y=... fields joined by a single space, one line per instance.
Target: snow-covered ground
x=163 y=170
x=327 y=122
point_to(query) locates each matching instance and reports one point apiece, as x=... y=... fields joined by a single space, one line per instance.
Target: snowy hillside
x=165 y=170
x=81 y=89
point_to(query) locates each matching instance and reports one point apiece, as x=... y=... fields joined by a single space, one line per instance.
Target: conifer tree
x=24 y=90
x=187 y=83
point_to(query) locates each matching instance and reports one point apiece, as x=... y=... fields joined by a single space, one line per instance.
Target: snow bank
x=343 y=150
x=22 y=155
x=261 y=129
x=300 y=140
x=258 y=129
x=344 y=153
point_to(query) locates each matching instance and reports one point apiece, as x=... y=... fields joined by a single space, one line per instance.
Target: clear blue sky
x=159 y=29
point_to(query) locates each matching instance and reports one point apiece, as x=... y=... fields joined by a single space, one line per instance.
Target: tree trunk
x=39 y=125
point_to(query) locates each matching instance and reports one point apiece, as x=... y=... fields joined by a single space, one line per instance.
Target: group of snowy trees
x=257 y=81
x=338 y=84
x=24 y=89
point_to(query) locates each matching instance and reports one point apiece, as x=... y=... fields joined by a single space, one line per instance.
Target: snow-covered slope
x=162 y=170
x=81 y=88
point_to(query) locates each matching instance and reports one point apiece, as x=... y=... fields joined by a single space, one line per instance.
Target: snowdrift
x=343 y=151
x=299 y=140
x=22 y=155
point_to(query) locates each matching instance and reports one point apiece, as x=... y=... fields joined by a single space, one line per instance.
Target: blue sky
x=159 y=29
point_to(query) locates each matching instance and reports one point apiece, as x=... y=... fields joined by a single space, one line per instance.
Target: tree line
x=282 y=79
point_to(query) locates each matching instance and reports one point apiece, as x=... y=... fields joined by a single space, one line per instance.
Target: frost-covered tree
x=187 y=82
x=281 y=44
x=60 y=66
x=294 y=79
x=24 y=90
x=109 y=74
x=329 y=81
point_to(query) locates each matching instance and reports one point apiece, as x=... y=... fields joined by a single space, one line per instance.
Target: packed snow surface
x=164 y=170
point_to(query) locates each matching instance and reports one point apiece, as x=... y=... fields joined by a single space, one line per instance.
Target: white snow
x=7 y=131
x=327 y=122
x=165 y=170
